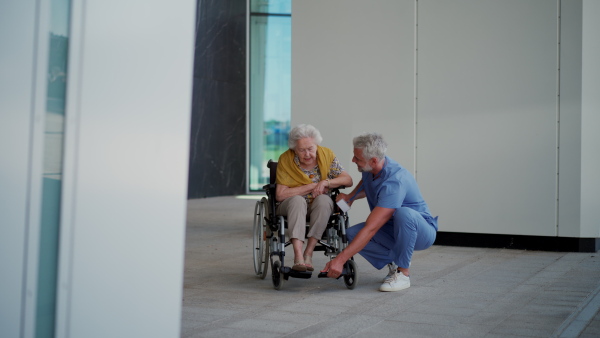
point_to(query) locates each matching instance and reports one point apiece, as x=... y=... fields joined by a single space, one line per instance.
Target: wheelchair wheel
x=261 y=245
x=277 y=275
x=351 y=276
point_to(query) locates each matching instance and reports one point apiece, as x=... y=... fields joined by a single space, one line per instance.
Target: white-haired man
x=399 y=222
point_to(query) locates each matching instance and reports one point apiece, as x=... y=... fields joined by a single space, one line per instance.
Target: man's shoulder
x=392 y=166
x=396 y=172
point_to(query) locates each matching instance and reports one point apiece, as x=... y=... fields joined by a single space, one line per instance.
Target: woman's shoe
x=308 y=263
x=299 y=266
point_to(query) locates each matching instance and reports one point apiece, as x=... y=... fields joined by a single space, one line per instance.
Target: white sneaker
x=393 y=269
x=398 y=281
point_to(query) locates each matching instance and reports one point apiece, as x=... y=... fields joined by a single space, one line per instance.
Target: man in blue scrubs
x=399 y=222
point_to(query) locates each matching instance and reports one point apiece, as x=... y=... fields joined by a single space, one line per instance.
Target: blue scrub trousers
x=396 y=240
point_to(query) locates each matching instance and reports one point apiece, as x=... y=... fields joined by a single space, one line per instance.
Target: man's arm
x=375 y=221
x=346 y=197
x=343 y=179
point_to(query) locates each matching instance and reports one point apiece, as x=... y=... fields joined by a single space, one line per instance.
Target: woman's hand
x=282 y=191
x=321 y=188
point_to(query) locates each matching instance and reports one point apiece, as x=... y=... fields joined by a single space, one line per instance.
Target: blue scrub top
x=395 y=187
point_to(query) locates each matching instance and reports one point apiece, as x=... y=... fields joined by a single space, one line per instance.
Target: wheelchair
x=270 y=241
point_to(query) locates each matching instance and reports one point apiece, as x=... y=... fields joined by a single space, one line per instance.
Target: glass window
x=270 y=85
x=271 y=6
x=52 y=175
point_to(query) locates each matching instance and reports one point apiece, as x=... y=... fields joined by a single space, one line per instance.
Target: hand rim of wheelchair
x=261 y=247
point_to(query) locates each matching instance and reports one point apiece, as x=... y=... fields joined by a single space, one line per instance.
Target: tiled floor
x=455 y=291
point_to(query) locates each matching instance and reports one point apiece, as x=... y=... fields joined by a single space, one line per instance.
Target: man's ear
x=373 y=162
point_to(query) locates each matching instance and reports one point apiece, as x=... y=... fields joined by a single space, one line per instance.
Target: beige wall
x=467 y=95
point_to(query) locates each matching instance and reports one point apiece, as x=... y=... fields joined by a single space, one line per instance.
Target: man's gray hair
x=302 y=131
x=372 y=144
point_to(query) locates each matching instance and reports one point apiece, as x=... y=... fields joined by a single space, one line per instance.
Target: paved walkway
x=455 y=292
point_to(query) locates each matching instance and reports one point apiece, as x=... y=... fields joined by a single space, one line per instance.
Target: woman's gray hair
x=372 y=145
x=302 y=131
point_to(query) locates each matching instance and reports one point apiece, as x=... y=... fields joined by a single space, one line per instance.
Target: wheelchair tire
x=266 y=239
x=351 y=277
x=260 y=250
x=277 y=275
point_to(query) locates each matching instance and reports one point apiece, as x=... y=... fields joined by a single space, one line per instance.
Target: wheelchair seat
x=269 y=238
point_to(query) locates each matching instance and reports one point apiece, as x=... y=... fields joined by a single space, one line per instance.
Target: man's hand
x=334 y=268
x=342 y=196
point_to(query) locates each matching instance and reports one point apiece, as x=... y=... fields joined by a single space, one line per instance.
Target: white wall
x=487 y=114
x=22 y=109
x=480 y=129
x=125 y=169
x=569 y=182
x=353 y=72
x=590 y=120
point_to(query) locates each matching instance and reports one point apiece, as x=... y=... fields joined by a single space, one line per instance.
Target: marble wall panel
x=218 y=128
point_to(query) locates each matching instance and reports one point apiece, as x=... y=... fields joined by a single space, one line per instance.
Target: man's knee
x=353 y=230
x=406 y=217
x=404 y=213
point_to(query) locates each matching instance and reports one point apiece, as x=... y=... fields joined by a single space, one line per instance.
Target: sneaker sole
x=382 y=289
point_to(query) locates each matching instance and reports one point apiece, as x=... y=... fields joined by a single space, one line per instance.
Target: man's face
x=361 y=164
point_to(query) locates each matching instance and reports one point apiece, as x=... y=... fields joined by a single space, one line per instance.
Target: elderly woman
x=305 y=174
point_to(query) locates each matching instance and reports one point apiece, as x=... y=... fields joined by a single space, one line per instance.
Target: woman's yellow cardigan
x=291 y=176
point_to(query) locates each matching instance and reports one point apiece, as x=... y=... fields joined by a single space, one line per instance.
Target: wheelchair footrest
x=287 y=271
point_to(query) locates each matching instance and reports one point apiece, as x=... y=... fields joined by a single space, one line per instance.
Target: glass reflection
x=270 y=86
x=271 y=6
x=52 y=172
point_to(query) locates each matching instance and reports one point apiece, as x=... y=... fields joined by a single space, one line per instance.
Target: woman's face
x=306 y=149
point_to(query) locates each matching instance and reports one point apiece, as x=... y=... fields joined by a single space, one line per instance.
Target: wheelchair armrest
x=336 y=191
x=269 y=186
